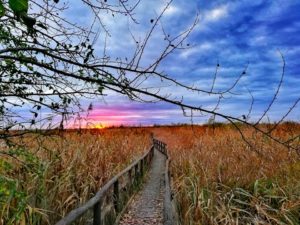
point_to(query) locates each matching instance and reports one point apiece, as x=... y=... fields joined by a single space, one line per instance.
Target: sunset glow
x=112 y=117
x=99 y=126
x=132 y=114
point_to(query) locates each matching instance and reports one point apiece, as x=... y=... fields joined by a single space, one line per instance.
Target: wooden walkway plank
x=148 y=205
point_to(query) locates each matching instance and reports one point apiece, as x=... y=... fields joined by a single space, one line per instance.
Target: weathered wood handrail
x=102 y=215
x=160 y=146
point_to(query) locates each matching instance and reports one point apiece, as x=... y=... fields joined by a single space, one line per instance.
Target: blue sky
x=231 y=33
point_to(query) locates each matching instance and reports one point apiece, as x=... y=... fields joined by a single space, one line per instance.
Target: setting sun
x=99 y=126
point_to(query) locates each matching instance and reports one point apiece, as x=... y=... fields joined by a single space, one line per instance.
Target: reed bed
x=45 y=176
x=219 y=179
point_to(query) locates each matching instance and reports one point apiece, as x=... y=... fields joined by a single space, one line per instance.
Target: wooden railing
x=170 y=215
x=110 y=200
x=160 y=146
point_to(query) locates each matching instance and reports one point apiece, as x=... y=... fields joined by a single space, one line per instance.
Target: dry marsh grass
x=217 y=178
x=52 y=175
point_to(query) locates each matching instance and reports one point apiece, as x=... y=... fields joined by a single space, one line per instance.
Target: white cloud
x=213 y=15
x=216 y=13
x=171 y=10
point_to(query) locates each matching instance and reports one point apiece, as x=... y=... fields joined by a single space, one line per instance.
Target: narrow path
x=147 y=206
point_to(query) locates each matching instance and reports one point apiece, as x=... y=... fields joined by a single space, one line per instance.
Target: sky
x=233 y=34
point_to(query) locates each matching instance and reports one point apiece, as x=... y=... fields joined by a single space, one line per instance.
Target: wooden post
x=136 y=172
x=146 y=161
x=116 y=196
x=149 y=158
x=142 y=167
x=130 y=181
x=152 y=154
x=97 y=214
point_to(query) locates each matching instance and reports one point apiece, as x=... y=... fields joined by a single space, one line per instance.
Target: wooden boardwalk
x=151 y=205
x=147 y=206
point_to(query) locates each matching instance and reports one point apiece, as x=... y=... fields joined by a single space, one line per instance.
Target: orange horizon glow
x=99 y=126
